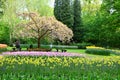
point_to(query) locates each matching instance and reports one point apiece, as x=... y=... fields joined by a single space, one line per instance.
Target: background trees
x=69 y=12
x=91 y=20
x=77 y=26
x=1 y=7
x=12 y=7
x=110 y=12
x=10 y=16
x=101 y=22
x=41 y=6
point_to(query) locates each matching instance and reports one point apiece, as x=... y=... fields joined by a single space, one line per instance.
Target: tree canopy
x=40 y=27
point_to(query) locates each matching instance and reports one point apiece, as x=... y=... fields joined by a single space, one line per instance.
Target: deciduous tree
x=40 y=27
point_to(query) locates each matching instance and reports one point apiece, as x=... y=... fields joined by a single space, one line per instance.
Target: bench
x=16 y=49
x=38 y=49
x=62 y=50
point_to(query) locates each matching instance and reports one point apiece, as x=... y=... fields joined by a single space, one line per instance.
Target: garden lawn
x=76 y=50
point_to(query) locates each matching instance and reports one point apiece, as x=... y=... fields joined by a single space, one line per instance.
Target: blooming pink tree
x=38 y=27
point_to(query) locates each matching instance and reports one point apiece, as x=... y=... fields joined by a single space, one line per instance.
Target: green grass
x=73 y=50
x=10 y=48
x=76 y=50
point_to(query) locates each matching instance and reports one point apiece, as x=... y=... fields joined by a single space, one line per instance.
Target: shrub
x=3 y=49
x=83 y=45
x=97 y=50
x=116 y=52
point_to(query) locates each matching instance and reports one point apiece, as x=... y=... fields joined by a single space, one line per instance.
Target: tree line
x=92 y=21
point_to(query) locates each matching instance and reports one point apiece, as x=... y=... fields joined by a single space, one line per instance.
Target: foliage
x=12 y=7
x=110 y=11
x=39 y=27
x=83 y=45
x=4 y=32
x=57 y=9
x=10 y=17
x=63 y=12
x=60 y=68
x=98 y=50
x=101 y=22
x=77 y=27
x=69 y=12
x=91 y=20
x=2 y=4
x=41 y=6
x=116 y=52
x=3 y=50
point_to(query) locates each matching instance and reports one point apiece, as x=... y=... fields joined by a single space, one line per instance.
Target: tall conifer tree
x=57 y=9
x=63 y=12
x=77 y=27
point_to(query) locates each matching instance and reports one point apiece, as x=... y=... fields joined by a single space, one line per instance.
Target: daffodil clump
x=97 y=50
x=59 y=68
x=95 y=47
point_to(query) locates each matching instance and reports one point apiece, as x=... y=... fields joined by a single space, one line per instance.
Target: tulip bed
x=44 y=67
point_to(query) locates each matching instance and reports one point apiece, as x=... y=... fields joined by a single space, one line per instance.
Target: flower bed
x=97 y=50
x=38 y=53
x=59 y=68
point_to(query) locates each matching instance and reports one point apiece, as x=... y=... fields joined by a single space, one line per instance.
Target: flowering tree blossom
x=38 y=27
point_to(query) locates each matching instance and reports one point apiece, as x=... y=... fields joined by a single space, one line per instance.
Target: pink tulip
x=37 y=53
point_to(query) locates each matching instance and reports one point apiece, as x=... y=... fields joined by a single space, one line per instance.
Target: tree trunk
x=10 y=39
x=38 y=42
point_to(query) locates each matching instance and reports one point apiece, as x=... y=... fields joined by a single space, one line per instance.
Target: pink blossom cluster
x=37 y=53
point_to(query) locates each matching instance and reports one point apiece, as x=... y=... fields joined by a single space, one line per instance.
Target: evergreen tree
x=63 y=12
x=77 y=27
x=57 y=9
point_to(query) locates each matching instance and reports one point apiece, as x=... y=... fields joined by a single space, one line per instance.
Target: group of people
x=17 y=46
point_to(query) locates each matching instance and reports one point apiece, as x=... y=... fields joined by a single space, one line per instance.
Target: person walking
x=17 y=45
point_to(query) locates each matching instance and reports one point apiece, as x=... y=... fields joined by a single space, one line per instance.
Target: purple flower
x=37 y=53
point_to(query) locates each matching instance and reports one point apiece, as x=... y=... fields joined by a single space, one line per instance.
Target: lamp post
x=51 y=45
